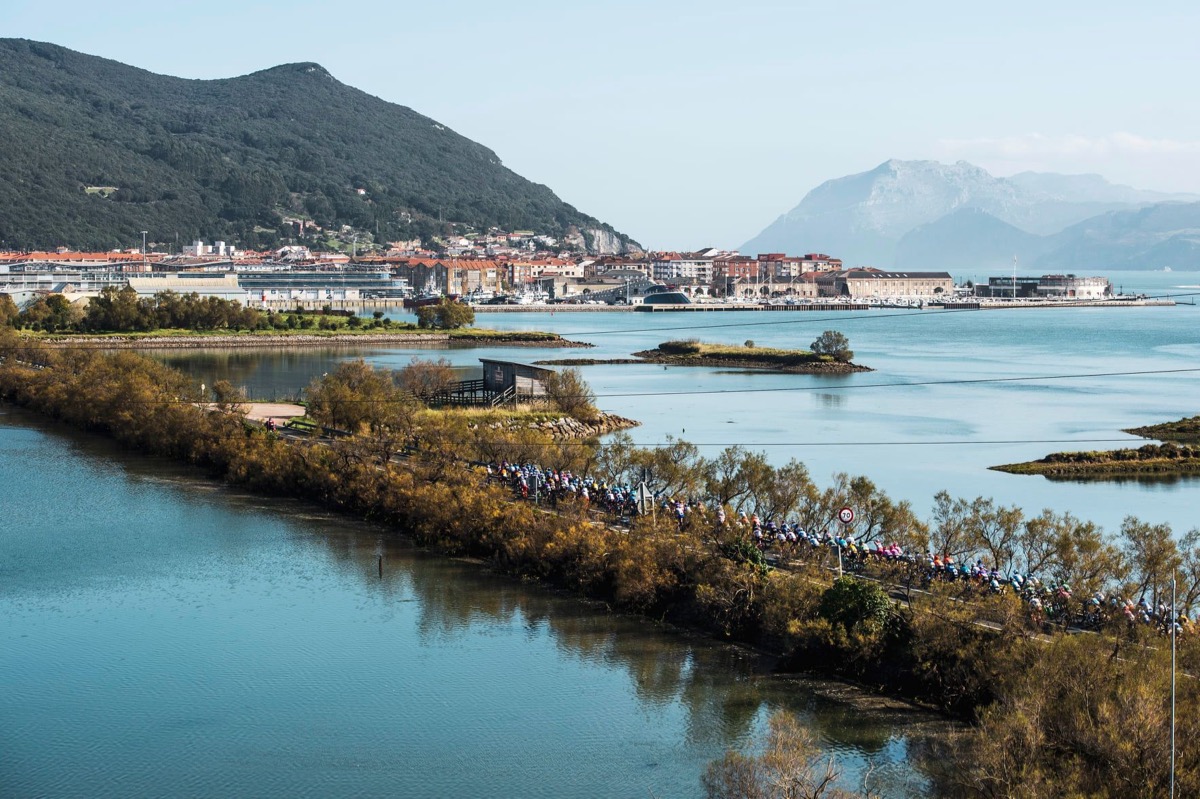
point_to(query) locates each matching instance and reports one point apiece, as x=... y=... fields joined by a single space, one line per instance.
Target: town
x=510 y=269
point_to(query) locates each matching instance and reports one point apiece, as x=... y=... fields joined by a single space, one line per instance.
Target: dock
x=718 y=306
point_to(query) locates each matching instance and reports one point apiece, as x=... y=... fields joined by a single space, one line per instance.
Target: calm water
x=163 y=636
x=907 y=425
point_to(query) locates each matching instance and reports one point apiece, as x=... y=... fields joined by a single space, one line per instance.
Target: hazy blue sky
x=689 y=122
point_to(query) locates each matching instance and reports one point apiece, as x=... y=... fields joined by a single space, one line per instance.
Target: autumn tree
x=229 y=398
x=8 y=311
x=571 y=394
x=425 y=379
x=1153 y=557
x=358 y=398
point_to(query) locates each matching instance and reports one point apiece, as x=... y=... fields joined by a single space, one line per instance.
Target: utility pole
x=1173 y=617
x=144 y=269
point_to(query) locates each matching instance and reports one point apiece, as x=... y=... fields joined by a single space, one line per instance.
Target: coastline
x=248 y=340
x=767 y=361
x=764 y=365
x=1149 y=461
x=1177 y=456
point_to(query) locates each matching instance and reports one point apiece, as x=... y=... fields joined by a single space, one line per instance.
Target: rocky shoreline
x=568 y=428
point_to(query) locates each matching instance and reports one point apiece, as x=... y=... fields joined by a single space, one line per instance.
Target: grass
x=1185 y=431
x=524 y=414
x=302 y=424
x=1152 y=459
x=734 y=352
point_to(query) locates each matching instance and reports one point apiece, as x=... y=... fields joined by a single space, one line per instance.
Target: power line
x=838 y=444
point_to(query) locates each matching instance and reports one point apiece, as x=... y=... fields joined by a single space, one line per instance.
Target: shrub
x=571 y=394
x=833 y=344
x=426 y=378
x=853 y=603
x=446 y=315
x=689 y=347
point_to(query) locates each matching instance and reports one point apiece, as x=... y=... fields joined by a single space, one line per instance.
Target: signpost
x=645 y=499
x=845 y=516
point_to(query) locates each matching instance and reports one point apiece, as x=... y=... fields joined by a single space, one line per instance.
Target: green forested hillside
x=229 y=159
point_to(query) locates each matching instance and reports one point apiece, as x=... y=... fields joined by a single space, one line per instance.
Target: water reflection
x=252 y=602
x=726 y=691
x=830 y=401
x=1149 y=481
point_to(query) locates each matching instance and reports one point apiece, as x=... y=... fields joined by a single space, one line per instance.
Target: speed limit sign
x=846 y=515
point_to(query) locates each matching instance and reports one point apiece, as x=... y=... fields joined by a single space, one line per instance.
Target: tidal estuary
x=161 y=635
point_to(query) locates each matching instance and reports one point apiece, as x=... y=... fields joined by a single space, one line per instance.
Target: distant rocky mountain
x=1153 y=237
x=992 y=243
x=96 y=151
x=924 y=214
x=1089 y=189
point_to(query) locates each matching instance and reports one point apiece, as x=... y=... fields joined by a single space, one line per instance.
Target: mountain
x=966 y=240
x=96 y=151
x=1089 y=189
x=908 y=213
x=862 y=217
x=1166 y=234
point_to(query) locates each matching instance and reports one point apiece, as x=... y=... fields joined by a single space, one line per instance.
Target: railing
x=504 y=397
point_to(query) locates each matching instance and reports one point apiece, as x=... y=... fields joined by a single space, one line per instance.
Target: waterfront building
x=26 y=282
x=695 y=268
x=500 y=376
x=318 y=285
x=619 y=263
x=869 y=283
x=203 y=284
x=1047 y=287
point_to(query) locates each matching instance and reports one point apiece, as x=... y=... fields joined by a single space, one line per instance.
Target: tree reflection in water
x=726 y=691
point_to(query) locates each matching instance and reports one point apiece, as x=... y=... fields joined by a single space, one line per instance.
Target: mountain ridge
x=910 y=214
x=101 y=150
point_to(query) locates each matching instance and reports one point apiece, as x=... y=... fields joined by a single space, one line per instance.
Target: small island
x=1178 y=456
x=830 y=354
x=1185 y=431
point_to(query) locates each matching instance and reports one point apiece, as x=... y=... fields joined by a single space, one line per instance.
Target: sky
x=689 y=123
